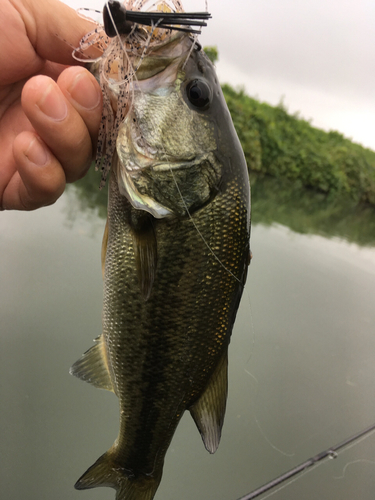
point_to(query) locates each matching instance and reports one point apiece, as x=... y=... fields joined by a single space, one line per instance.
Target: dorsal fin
x=92 y=367
x=208 y=412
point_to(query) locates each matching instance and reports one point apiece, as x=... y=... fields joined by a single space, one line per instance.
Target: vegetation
x=302 y=177
x=212 y=53
x=287 y=147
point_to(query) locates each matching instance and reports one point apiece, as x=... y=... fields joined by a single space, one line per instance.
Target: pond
x=301 y=360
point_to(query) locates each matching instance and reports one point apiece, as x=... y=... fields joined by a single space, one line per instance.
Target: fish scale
x=181 y=344
x=176 y=251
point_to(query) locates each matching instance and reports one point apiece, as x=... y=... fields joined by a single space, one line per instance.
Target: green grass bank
x=285 y=146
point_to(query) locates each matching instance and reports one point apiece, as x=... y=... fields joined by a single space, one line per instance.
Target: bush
x=286 y=146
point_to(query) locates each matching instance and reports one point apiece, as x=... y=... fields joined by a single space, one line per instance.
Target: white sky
x=316 y=55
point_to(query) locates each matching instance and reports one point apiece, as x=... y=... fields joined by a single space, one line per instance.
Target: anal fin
x=92 y=367
x=208 y=412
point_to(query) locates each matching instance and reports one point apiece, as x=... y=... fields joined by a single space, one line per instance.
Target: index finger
x=53 y=28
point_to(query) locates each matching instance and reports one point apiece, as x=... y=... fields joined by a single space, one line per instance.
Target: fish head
x=172 y=144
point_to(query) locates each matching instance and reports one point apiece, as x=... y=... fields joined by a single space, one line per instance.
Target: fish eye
x=198 y=93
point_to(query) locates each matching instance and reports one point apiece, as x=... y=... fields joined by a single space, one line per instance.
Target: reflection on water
x=310 y=212
x=87 y=195
x=302 y=367
x=273 y=201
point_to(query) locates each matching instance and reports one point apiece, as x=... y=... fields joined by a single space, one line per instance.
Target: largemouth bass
x=175 y=257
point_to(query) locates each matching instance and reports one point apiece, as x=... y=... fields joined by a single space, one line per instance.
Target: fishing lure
x=119 y=21
x=120 y=59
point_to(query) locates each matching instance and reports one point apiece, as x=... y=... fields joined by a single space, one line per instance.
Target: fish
x=175 y=256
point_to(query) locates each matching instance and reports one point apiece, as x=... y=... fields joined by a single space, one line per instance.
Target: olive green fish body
x=176 y=255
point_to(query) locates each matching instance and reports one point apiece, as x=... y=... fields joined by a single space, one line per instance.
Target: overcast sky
x=316 y=55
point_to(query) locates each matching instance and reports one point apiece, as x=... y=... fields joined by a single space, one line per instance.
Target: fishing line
x=309 y=464
x=359 y=460
x=195 y=37
x=265 y=437
x=263 y=433
x=198 y=231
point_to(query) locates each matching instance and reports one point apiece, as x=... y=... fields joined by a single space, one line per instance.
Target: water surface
x=302 y=355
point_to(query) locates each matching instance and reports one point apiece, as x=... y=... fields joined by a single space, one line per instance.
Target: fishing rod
x=329 y=453
x=119 y=21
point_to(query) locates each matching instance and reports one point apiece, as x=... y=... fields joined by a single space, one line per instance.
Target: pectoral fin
x=104 y=247
x=208 y=412
x=92 y=367
x=145 y=250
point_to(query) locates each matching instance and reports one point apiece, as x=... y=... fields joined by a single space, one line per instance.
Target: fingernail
x=53 y=103
x=84 y=92
x=36 y=152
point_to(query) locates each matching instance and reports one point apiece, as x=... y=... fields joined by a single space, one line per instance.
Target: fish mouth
x=137 y=154
x=135 y=166
x=144 y=181
x=139 y=161
x=141 y=155
x=177 y=164
x=144 y=171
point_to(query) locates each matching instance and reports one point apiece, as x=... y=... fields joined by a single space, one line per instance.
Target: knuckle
x=78 y=161
x=49 y=188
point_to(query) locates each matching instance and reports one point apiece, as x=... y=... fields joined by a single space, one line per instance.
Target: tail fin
x=106 y=472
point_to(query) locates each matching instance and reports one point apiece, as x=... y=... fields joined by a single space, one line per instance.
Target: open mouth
x=125 y=178
x=157 y=186
x=136 y=163
x=161 y=178
x=141 y=155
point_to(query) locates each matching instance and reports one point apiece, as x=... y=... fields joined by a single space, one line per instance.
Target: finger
x=53 y=28
x=60 y=125
x=39 y=180
x=82 y=90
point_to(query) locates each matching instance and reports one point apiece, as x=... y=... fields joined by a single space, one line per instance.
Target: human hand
x=49 y=112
